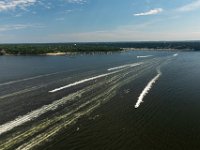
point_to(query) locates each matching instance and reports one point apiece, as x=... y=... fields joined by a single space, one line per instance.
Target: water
x=96 y=109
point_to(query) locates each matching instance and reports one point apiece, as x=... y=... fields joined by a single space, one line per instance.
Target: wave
x=125 y=66
x=147 y=88
x=51 y=107
x=175 y=55
x=83 y=109
x=94 y=96
x=31 y=78
x=71 y=117
x=83 y=81
x=146 y=56
x=4 y=128
x=36 y=113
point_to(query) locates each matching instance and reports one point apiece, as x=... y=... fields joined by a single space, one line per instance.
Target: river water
x=127 y=100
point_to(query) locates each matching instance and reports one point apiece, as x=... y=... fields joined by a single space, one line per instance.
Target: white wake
x=31 y=78
x=36 y=113
x=147 y=89
x=146 y=56
x=124 y=66
x=83 y=81
x=96 y=77
x=175 y=55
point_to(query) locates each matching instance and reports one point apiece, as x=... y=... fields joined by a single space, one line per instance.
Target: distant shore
x=55 y=49
x=90 y=52
x=62 y=49
x=58 y=54
x=155 y=49
x=61 y=53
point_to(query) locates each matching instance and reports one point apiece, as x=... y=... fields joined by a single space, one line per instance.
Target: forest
x=35 y=49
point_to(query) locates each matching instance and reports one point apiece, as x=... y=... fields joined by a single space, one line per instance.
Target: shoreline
x=58 y=54
x=155 y=49
x=94 y=52
x=62 y=53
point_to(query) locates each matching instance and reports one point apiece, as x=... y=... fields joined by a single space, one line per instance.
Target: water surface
x=97 y=110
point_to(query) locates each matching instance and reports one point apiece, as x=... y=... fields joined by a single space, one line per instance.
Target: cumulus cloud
x=150 y=12
x=13 y=4
x=190 y=7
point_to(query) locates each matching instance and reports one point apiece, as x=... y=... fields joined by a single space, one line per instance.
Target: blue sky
x=27 y=21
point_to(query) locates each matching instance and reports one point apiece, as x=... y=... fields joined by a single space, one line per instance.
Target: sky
x=44 y=21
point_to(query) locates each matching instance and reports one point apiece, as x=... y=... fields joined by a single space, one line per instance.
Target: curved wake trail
x=95 y=101
x=74 y=106
x=147 y=89
x=53 y=106
x=46 y=108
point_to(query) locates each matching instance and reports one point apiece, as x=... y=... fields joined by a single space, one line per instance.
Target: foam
x=146 y=56
x=147 y=89
x=124 y=66
x=175 y=55
x=82 y=81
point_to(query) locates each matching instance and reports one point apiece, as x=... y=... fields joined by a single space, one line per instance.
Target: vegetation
x=34 y=49
x=183 y=45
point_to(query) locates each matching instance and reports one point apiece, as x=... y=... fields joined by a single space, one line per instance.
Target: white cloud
x=76 y=1
x=108 y=36
x=68 y=11
x=47 y=5
x=13 y=4
x=190 y=7
x=60 y=19
x=150 y=12
x=4 y=28
x=121 y=33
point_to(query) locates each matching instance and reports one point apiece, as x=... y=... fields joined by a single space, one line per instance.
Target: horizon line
x=103 y=42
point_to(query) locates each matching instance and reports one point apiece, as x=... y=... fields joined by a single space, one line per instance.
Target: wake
x=147 y=89
x=175 y=55
x=31 y=78
x=81 y=103
x=125 y=66
x=53 y=106
x=36 y=113
x=118 y=69
x=146 y=56
x=83 y=81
